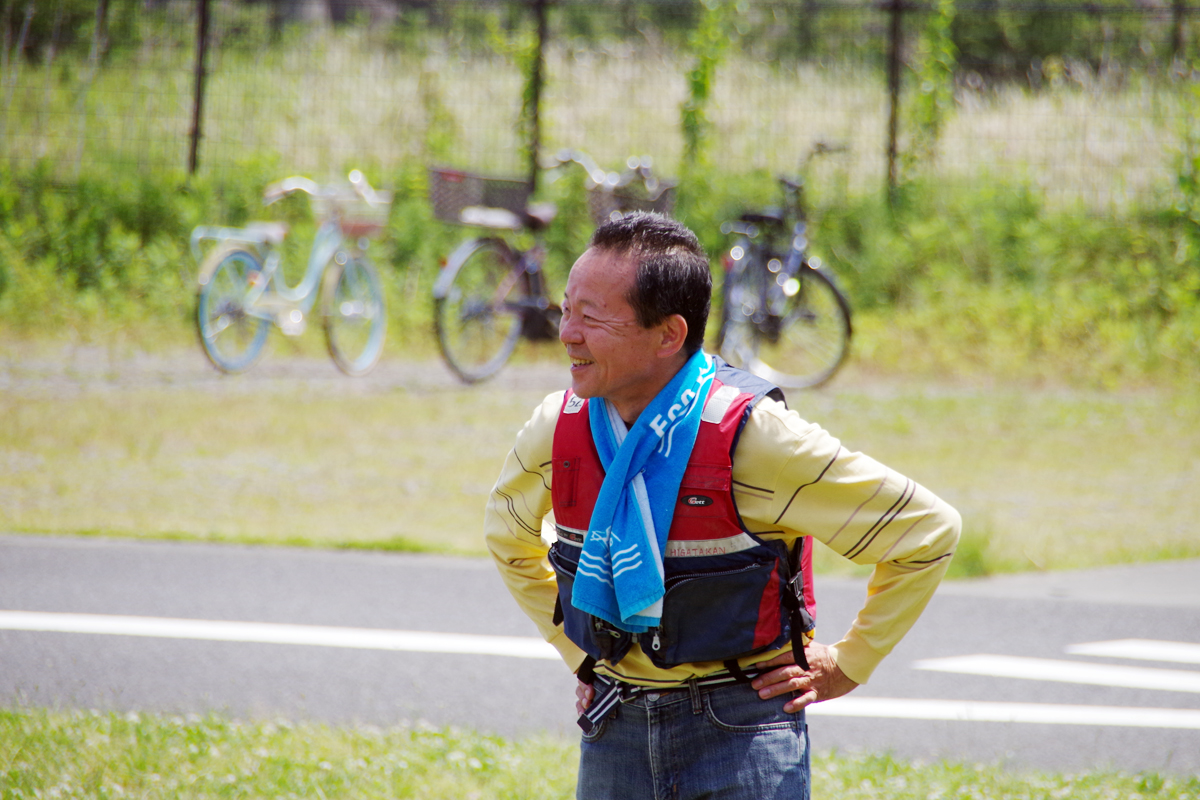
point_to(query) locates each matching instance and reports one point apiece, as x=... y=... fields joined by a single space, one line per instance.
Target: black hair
x=672 y=275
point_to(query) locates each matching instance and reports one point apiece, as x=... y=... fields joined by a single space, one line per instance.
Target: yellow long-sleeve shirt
x=790 y=478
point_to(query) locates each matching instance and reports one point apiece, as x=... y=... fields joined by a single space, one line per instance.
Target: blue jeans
x=721 y=743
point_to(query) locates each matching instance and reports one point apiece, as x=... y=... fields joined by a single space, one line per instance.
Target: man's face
x=612 y=356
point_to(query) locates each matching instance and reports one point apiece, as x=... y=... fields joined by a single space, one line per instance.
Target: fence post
x=535 y=92
x=198 y=99
x=1177 y=28
x=896 y=7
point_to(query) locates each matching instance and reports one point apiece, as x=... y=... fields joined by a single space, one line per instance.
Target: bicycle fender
x=454 y=263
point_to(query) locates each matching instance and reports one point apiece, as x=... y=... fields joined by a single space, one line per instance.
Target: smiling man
x=684 y=498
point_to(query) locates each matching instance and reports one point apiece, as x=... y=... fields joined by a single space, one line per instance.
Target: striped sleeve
x=792 y=478
x=516 y=510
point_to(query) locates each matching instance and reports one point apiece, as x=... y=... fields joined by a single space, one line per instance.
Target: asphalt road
x=1121 y=706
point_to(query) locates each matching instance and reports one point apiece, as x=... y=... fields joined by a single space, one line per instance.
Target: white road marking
x=1043 y=669
x=269 y=633
x=1140 y=649
x=1038 y=713
x=528 y=647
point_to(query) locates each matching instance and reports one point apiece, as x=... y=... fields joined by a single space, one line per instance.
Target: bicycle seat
x=770 y=216
x=486 y=217
x=540 y=215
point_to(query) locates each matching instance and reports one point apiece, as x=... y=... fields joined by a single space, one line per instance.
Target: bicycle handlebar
x=298 y=183
x=365 y=191
x=595 y=174
x=793 y=188
x=821 y=146
x=636 y=168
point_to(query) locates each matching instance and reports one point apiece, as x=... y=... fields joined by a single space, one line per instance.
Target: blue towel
x=620 y=577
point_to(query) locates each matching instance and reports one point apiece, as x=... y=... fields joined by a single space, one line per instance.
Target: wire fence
x=1088 y=103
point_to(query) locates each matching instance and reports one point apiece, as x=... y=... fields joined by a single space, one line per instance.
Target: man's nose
x=568 y=330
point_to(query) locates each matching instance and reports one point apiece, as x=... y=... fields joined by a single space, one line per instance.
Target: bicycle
x=242 y=291
x=491 y=294
x=783 y=316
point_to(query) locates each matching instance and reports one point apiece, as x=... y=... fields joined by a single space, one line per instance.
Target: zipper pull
x=655 y=645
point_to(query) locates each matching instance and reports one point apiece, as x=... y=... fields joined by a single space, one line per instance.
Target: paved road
x=1119 y=705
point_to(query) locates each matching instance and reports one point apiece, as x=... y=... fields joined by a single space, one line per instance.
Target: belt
x=610 y=691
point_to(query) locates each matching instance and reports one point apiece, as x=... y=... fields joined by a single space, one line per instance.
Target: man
x=684 y=496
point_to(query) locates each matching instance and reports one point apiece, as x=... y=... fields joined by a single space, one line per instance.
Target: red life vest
x=729 y=593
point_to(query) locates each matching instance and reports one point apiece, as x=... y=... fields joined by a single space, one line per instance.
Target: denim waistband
x=610 y=691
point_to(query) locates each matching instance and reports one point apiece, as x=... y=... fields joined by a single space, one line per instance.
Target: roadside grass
x=342 y=95
x=98 y=442
x=108 y=754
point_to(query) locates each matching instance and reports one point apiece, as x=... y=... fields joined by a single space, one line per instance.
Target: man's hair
x=672 y=274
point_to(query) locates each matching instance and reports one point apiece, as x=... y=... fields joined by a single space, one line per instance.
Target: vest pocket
x=563 y=481
x=718 y=615
x=704 y=490
x=592 y=635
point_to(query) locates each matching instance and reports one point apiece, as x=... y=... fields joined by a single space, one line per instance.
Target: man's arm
x=519 y=503
x=802 y=481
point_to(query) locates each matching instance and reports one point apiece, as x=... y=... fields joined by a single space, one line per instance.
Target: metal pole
x=1177 y=28
x=897 y=9
x=198 y=100
x=535 y=92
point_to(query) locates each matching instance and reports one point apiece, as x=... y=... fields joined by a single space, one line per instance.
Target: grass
x=49 y=754
x=104 y=754
x=162 y=446
x=341 y=97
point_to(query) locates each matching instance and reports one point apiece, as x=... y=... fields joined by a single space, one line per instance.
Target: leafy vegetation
x=970 y=271
x=983 y=277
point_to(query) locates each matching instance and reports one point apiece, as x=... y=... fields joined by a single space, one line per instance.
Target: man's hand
x=583 y=696
x=823 y=681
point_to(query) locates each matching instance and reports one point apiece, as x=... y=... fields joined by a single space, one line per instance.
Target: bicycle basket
x=605 y=204
x=359 y=217
x=452 y=191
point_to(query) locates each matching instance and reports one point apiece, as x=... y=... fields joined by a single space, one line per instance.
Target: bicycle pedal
x=291 y=321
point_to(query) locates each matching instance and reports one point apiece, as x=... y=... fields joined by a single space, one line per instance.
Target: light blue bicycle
x=242 y=291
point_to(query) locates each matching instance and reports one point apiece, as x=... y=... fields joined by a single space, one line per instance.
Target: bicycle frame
x=303 y=295
x=491 y=294
x=534 y=306
x=783 y=316
x=242 y=287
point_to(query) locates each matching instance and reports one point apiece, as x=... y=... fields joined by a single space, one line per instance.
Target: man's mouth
x=580 y=362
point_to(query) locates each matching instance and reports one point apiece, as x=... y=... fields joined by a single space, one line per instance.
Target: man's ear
x=674 y=334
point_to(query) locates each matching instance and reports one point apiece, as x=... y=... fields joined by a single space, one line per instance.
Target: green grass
x=1032 y=362
x=105 y=755
x=162 y=446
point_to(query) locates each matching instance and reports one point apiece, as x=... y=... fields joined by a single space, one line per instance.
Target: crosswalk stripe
x=985 y=711
x=1043 y=669
x=1141 y=650
x=272 y=633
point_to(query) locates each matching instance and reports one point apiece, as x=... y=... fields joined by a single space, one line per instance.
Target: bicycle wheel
x=741 y=306
x=354 y=314
x=232 y=337
x=810 y=337
x=479 y=301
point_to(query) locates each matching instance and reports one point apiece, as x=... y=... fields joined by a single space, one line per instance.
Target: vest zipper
x=676 y=581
